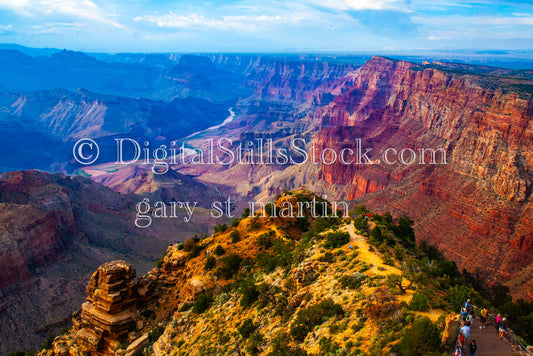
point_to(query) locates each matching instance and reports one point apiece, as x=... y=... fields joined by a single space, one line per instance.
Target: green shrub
x=327 y=257
x=459 y=293
x=186 y=306
x=235 y=237
x=336 y=239
x=270 y=209
x=249 y=293
x=191 y=246
x=281 y=256
x=230 y=266
x=235 y=222
x=388 y=260
x=363 y=267
x=247 y=328
x=254 y=223
x=220 y=228
x=329 y=347
x=423 y=338
x=314 y=315
x=322 y=224
x=254 y=340
x=357 y=326
x=48 y=342
x=361 y=223
x=335 y=328
x=352 y=282
x=280 y=347
x=210 y=263
x=399 y=252
x=202 y=303
x=264 y=241
x=219 y=250
x=303 y=224
x=419 y=302
x=155 y=334
x=446 y=268
x=376 y=234
x=404 y=230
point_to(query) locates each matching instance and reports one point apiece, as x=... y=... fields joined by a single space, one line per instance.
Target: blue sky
x=273 y=26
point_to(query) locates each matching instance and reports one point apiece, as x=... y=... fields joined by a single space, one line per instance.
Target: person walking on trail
x=498 y=321
x=484 y=313
x=461 y=340
x=473 y=348
x=468 y=306
x=470 y=318
x=503 y=328
x=464 y=314
x=458 y=351
x=466 y=330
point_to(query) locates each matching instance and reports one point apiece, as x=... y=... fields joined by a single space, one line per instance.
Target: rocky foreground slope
x=277 y=286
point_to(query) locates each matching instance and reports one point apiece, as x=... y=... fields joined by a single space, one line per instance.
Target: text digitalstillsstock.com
x=226 y=152
x=148 y=211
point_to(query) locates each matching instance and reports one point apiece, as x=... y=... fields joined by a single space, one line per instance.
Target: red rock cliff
x=477 y=208
x=37 y=224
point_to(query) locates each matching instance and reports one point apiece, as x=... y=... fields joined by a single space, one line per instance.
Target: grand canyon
x=62 y=221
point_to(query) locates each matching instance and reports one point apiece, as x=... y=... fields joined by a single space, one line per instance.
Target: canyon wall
x=274 y=78
x=477 y=207
x=56 y=230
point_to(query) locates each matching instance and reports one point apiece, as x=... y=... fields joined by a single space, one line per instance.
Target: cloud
x=454 y=20
x=195 y=21
x=78 y=9
x=271 y=25
x=57 y=27
x=18 y=6
x=344 y=5
x=7 y=30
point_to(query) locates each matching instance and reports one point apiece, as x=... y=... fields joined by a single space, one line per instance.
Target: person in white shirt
x=466 y=330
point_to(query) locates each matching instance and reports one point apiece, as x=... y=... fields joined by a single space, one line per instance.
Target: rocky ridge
x=270 y=289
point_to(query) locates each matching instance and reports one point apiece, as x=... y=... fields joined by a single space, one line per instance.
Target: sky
x=267 y=26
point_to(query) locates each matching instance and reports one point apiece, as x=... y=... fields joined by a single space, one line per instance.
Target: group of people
x=467 y=319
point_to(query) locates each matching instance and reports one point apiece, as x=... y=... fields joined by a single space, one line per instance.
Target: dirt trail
x=372 y=259
x=379 y=267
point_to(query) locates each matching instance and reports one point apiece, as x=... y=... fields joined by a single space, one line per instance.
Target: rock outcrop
x=109 y=313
